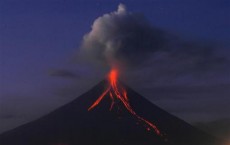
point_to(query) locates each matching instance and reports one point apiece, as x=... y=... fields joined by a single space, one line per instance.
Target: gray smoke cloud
x=120 y=36
x=128 y=39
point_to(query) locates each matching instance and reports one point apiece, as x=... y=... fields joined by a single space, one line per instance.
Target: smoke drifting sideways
x=121 y=38
x=127 y=40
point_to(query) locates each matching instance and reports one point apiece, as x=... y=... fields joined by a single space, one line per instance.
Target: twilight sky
x=41 y=43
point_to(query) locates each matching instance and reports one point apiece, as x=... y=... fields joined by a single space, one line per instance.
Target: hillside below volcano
x=73 y=124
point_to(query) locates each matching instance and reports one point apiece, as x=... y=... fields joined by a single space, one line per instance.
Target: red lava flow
x=118 y=92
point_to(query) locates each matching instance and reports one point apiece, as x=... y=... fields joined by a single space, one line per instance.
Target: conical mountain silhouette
x=73 y=124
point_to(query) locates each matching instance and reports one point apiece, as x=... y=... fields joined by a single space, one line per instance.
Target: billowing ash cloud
x=122 y=36
x=128 y=40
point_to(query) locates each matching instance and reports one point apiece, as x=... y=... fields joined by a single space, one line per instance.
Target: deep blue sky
x=39 y=36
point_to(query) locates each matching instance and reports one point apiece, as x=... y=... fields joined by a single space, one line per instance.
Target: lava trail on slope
x=117 y=92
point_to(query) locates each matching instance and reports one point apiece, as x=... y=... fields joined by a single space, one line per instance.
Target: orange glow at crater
x=119 y=93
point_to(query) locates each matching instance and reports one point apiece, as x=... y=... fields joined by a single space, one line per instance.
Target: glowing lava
x=120 y=93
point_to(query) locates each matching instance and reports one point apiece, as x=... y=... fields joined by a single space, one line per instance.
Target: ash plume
x=127 y=39
x=119 y=36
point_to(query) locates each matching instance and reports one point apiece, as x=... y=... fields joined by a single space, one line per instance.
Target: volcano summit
x=108 y=114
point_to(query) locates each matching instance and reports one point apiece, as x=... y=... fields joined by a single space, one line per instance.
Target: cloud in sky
x=127 y=39
x=119 y=36
x=62 y=73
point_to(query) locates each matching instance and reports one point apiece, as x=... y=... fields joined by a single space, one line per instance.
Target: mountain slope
x=73 y=124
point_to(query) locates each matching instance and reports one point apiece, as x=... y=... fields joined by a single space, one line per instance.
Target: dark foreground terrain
x=73 y=124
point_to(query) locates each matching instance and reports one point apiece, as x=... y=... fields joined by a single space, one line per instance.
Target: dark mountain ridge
x=73 y=124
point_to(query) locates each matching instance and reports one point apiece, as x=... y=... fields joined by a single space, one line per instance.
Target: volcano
x=106 y=116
